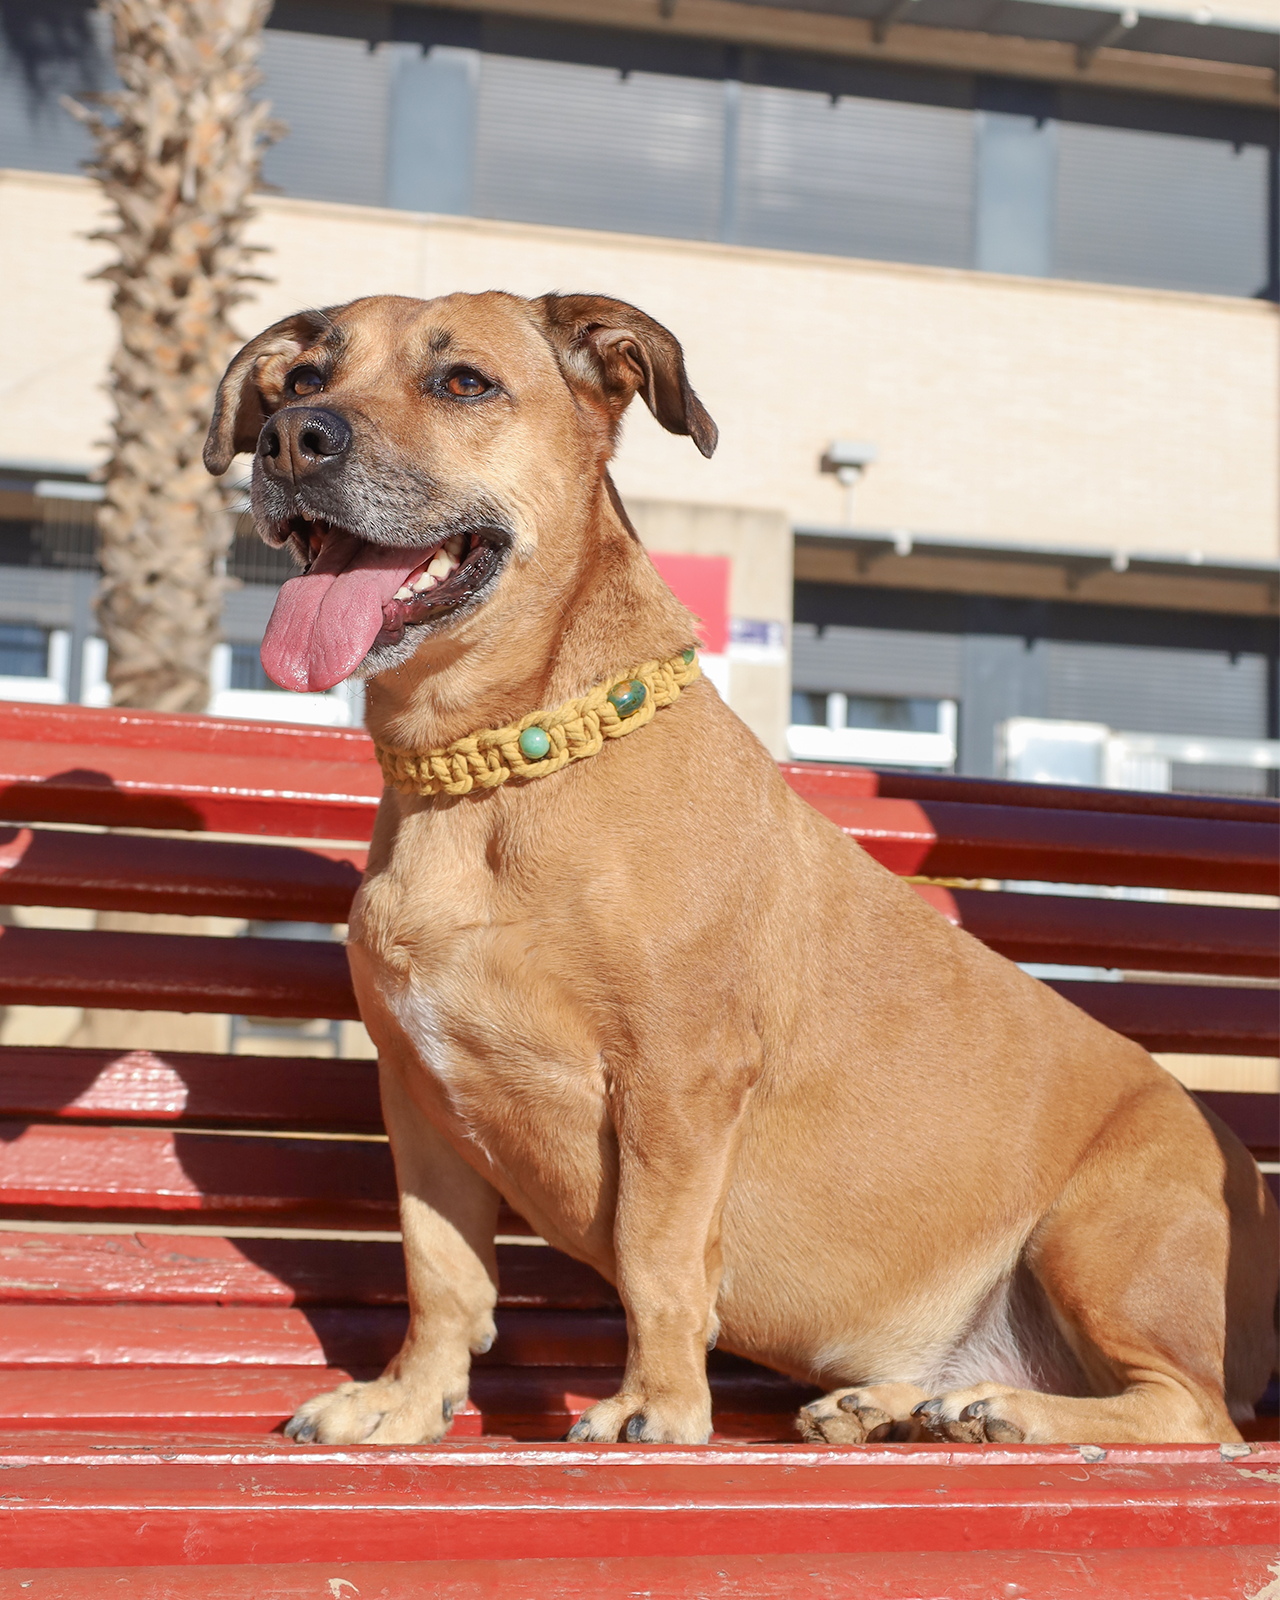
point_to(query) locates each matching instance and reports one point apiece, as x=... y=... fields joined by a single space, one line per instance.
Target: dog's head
x=421 y=458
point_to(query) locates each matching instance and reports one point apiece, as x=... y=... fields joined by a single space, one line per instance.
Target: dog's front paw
x=386 y=1411
x=874 y=1415
x=645 y=1421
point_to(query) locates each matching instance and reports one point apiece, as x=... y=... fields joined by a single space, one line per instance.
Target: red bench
x=143 y=1374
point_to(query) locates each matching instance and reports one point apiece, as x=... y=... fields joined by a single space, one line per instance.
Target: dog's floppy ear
x=616 y=350
x=239 y=411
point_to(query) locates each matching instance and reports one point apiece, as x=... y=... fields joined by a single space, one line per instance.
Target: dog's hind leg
x=1159 y=1262
x=448 y=1214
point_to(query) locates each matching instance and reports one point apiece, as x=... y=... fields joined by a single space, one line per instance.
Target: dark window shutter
x=1160 y=209
x=1138 y=690
x=37 y=133
x=877 y=661
x=332 y=93
x=856 y=177
x=583 y=146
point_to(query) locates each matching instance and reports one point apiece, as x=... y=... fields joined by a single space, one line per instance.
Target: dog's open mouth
x=355 y=594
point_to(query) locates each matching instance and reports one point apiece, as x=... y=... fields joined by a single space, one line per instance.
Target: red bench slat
x=39 y=1336
x=300 y=978
x=164 y=972
x=334 y=1183
x=159 y=732
x=269 y=1092
x=627 y=1501
x=1207 y=1573
x=809 y=778
x=194 y=877
x=1139 y=935
x=288 y=1093
x=152 y=770
x=50 y=867
x=515 y=1402
x=1253 y=1118
x=216 y=782
x=195 y=1269
x=954 y=839
x=68 y=1172
x=102 y=787
x=1196 y=1019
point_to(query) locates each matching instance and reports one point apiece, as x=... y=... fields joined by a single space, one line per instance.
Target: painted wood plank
x=61 y=867
x=169 y=1269
x=194 y=877
x=518 y=1402
x=1138 y=935
x=840 y=782
x=299 y=978
x=283 y=1093
x=287 y=1093
x=1198 y=1019
x=156 y=733
x=194 y=774
x=98 y=786
x=347 y=1183
x=1253 y=1118
x=314 y=1505
x=45 y=1336
x=168 y=972
x=1194 y=1574
x=947 y=838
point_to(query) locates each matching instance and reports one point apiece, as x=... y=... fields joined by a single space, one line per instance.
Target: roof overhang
x=1086 y=27
x=1160 y=51
x=941 y=562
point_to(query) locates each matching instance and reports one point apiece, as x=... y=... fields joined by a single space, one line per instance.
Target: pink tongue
x=326 y=620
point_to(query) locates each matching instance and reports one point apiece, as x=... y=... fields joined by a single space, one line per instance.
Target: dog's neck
x=597 y=607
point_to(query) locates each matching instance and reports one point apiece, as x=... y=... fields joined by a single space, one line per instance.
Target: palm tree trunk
x=178 y=153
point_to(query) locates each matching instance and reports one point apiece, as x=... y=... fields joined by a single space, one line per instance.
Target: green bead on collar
x=534 y=743
x=627 y=698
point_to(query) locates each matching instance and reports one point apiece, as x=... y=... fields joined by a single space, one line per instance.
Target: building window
x=873 y=730
x=247 y=670
x=430 y=109
x=24 y=651
x=252 y=561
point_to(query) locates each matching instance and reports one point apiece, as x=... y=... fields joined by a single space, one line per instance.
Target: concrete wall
x=1003 y=408
x=758 y=546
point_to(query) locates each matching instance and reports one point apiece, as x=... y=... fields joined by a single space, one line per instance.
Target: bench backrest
x=205 y=1334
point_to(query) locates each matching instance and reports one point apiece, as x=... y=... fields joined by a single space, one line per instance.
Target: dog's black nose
x=296 y=442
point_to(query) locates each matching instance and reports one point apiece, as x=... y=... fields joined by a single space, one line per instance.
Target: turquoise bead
x=687 y=657
x=627 y=698
x=534 y=744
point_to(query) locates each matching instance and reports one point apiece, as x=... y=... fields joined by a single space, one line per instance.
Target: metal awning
x=1086 y=26
x=1193 y=564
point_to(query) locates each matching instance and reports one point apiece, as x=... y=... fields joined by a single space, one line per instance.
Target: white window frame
x=875 y=747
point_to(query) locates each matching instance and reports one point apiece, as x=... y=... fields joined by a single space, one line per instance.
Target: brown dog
x=687 y=1028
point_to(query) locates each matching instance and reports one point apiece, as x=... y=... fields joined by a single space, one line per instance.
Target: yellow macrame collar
x=544 y=741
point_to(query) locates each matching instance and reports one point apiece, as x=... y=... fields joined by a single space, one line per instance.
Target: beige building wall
x=1025 y=410
x=758 y=546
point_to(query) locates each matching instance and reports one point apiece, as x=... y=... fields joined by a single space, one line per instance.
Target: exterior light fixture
x=848 y=459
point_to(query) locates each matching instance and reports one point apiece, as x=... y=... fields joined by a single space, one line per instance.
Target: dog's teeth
x=404 y=592
x=307 y=516
x=442 y=564
x=454 y=546
x=422 y=583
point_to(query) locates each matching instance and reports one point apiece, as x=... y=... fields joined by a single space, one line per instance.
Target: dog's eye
x=466 y=384
x=304 y=381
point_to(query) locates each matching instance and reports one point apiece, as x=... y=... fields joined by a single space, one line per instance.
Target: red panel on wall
x=702 y=584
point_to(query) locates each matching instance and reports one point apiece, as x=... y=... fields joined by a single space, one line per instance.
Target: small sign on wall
x=702 y=584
